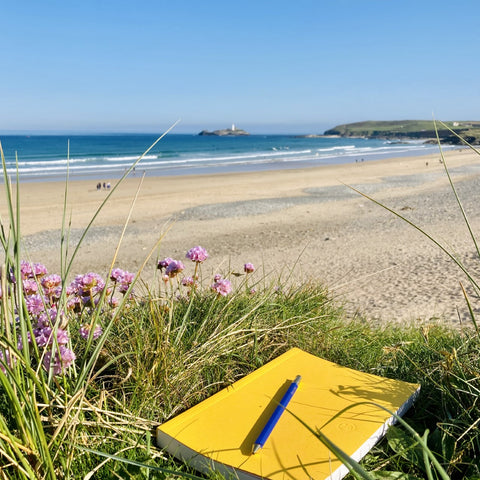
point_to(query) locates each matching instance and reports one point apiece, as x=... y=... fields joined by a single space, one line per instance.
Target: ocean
x=108 y=157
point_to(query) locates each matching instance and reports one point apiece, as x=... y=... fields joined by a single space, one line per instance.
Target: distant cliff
x=226 y=132
x=410 y=129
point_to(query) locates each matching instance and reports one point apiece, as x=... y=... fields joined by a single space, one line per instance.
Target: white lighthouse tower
x=233 y=127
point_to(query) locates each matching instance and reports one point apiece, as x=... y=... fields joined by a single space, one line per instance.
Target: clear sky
x=296 y=66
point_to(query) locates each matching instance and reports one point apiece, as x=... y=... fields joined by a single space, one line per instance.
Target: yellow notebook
x=218 y=433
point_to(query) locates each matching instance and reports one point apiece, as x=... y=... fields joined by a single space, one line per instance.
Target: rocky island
x=226 y=132
x=410 y=130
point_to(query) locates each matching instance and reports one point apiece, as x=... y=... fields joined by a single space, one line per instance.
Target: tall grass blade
x=426 y=234
x=64 y=242
x=143 y=465
x=111 y=192
x=353 y=466
x=454 y=190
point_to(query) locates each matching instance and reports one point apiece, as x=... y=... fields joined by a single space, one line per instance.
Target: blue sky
x=269 y=66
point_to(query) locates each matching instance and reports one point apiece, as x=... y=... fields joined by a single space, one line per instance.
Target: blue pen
x=272 y=421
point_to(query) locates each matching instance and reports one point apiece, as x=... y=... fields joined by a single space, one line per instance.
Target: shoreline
x=104 y=174
x=306 y=219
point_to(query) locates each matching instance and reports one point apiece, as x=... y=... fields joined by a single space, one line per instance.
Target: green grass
x=167 y=347
x=157 y=379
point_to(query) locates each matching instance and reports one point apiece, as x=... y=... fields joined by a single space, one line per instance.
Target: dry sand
x=308 y=219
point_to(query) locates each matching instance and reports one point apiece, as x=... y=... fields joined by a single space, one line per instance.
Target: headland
x=412 y=130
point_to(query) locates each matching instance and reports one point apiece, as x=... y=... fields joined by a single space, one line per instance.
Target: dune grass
x=230 y=337
x=89 y=366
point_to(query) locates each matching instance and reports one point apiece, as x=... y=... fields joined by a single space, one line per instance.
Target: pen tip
x=256 y=447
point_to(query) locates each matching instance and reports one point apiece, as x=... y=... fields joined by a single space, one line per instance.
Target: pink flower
x=52 y=286
x=122 y=278
x=20 y=341
x=85 y=331
x=39 y=270
x=188 y=282
x=31 y=270
x=26 y=269
x=116 y=275
x=5 y=359
x=128 y=277
x=64 y=357
x=113 y=302
x=30 y=286
x=35 y=304
x=86 y=286
x=222 y=286
x=44 y=336
x=126 y=282
x=248 y=268
x=62 y=336
x=197 y=254
x=74 y=304
x=164 y=263
x=174 y=267
x=51 y=281
x=92 y=281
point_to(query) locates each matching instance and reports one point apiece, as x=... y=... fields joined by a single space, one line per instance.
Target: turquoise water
x=45 y=157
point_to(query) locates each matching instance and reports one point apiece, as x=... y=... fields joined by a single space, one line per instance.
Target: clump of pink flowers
x=171 y=268
x=42 y=293
x=50 y=333
x=122 y=279
x=51 y=319
x=85 y=290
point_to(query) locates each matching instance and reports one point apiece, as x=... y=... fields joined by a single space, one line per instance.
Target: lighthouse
x=233 y=127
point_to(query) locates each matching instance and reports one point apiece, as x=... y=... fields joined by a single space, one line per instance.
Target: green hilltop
x=410 y=129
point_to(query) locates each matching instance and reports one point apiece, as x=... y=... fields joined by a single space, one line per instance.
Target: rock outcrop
x=226 y=132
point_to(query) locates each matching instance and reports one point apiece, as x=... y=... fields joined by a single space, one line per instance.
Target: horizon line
x=33 y=133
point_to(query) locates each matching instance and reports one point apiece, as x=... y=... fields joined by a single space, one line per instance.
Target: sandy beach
x=307 y=220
